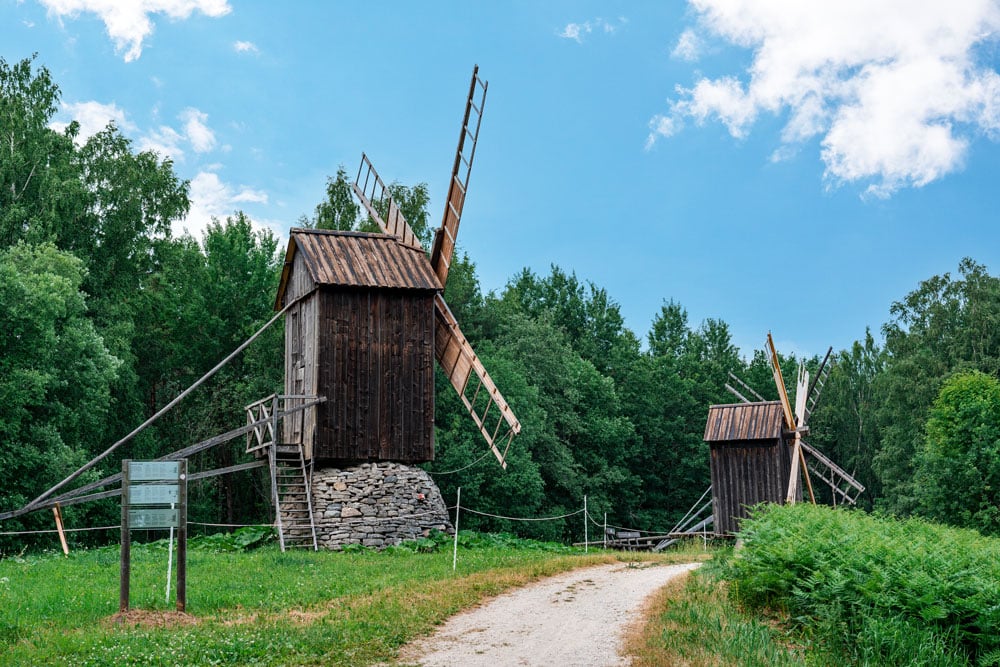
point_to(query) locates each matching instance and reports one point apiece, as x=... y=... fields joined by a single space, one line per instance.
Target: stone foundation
x=376 y=505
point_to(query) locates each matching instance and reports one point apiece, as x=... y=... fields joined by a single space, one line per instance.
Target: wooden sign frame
x=147 y=487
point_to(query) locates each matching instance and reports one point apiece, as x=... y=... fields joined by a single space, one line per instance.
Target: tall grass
x=693 y=622
x=878 y=590
x=259 y=607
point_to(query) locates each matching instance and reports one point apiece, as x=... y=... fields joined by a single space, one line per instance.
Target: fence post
x=458 y=508
x=586 y=540
x=605 y=530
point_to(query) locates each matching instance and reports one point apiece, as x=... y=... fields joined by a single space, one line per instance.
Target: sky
x=782 y=165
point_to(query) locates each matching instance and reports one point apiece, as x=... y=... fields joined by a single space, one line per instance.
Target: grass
x=692 y=622
x=259 y=607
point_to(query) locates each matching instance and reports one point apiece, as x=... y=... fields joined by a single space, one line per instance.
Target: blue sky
x=787 y=166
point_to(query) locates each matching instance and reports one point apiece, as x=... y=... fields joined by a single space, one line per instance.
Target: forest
x=106 y=316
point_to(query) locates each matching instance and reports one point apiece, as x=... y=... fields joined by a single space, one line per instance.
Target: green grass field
x=260 y=606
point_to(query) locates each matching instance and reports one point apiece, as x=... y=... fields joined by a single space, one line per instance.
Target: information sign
x=153 y=494
x=148 y=471
x=149 y=517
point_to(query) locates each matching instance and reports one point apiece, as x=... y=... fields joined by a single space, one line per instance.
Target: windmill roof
x=745 y=421
x=357 y=260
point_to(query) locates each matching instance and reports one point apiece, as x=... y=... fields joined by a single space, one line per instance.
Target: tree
x=942 y=327
x=958 y=464
x=845 y=424
x=339 y=210
x=55 y=371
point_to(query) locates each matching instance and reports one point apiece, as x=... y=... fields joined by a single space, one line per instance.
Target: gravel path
x=575 y=619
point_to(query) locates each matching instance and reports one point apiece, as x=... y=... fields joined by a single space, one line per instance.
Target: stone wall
x=376 y=505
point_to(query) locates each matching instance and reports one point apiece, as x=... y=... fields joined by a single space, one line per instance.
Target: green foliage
x=879 y=590
x=55 y=373
x=845 y=423
x=958 y=466
x=944 y=326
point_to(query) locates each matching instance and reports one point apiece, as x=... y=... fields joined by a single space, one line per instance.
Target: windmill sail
x=372 y=193
x=495 y=419
x=444 y=239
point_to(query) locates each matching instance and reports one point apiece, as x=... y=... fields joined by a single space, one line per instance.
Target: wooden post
x=182 y=536
x=458 y=508
x=126 y=549
x=586 y=543
x=59 y=527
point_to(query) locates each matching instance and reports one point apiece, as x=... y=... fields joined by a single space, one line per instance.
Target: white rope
x=452 y=472
x=54 y=530
x=514 y=518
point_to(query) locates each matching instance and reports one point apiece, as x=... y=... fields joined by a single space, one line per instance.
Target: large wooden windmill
x=366 y=317
x=758 y=452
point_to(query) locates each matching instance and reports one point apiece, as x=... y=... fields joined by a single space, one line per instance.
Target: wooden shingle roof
x=744 y=421
x=357 y=259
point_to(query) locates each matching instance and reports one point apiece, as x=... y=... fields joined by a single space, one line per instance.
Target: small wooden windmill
x=758 y=453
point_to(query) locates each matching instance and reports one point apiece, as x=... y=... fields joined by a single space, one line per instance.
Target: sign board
x=627 y=534
x=149 y=471
x=150 y=517
x=153 y=494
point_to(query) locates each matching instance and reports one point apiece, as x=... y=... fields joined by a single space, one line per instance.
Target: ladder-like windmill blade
x=495 y=419
x=444 y=240
x=816 y=388
x=801 y=394
x=373 y=194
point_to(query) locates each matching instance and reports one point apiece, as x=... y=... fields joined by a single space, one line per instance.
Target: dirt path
x=575 y=619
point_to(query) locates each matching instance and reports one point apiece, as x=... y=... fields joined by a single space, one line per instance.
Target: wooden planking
x=376 y=365
x=748 y=473
x=351 y=259
x=745 y=474
x=744 y=421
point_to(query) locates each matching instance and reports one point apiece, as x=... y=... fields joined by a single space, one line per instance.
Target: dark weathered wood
x=195 y=476
x=182 y=538
x=126 y=548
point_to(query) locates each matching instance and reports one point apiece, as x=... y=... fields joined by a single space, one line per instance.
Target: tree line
x=106 y=316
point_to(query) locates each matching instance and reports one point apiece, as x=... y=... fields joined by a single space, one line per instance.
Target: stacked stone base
x=376 y=505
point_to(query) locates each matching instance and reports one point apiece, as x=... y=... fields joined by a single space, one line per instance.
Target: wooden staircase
x=291 y=481
x=291 y=472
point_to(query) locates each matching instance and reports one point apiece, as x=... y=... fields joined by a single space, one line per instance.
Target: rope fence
x=457 y=508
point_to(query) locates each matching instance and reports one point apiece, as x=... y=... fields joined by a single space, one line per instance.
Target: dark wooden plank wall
x=376 y=366
x=745 y=473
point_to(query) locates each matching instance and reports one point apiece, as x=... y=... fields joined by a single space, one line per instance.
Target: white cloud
x=92 y=117
x=201 y=137
x=245 y=47
x=165 y=141
x=128 y=21
x=211 y=197
x=891 y=89
x=577 y=31
x=688 y=46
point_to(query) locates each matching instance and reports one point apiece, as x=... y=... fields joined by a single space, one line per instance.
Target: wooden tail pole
x=57 y=510
x=94 y=461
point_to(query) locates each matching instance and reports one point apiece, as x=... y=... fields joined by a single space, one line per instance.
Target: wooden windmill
x=758 y=452
x=370 y=319
x=487 y=407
